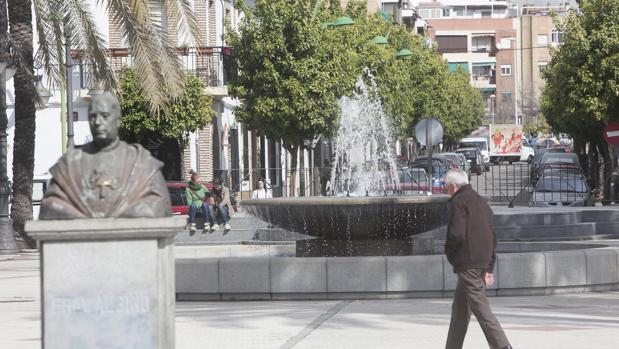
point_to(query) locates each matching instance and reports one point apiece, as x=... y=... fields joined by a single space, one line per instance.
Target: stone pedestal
x=107 y=283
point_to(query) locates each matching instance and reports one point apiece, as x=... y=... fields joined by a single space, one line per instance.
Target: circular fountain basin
x=353 y=218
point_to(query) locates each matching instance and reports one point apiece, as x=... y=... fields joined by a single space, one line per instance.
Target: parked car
x=538 y=157
x=177 y=196
x=473 y=158
x=553 y=158
x=561 y=191
x=545 y=143
x=455 y=160
x=566 y=147
x=526 y=153
x=412 y=181
x=558 y=170
x=439 y=169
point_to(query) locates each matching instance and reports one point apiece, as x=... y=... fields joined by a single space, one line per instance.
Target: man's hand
x=489 y=278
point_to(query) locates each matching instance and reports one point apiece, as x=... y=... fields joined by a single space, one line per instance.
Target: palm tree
x=152 y=50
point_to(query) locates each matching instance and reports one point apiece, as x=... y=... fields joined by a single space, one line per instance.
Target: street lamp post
x=492 y=110
x=68 y=81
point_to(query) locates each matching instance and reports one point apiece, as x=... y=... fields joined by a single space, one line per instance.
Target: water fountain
x=359 y=219
x=365 y=160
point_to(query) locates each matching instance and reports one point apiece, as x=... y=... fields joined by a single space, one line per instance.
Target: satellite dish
x=429 y=128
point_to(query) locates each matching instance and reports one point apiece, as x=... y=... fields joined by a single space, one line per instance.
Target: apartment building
x=479 y=37
x=503 y=45
x=539 y=36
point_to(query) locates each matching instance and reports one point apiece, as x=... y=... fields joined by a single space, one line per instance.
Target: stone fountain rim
x=343 y=200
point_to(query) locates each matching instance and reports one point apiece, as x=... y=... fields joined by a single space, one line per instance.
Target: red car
x=177 y=196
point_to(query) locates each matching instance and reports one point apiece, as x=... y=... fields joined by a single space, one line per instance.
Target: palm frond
x=87 y=38
x=145 y=48
x=189 y=29
x=171 y=66
x=48 y=36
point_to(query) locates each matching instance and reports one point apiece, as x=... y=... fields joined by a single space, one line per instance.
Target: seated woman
x=197 y=199
x=222 y=205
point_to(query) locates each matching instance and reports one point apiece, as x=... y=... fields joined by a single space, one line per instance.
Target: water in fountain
x=365 y=161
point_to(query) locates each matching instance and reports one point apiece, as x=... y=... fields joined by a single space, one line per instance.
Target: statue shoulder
x=143 y=155
x=67 y=162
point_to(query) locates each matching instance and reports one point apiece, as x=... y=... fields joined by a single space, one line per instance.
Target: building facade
x=503 y=45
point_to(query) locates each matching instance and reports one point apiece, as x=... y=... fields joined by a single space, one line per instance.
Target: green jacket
x=196 y=194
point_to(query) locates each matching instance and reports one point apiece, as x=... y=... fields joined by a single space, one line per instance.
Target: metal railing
x=212 y=64
x=517 y=184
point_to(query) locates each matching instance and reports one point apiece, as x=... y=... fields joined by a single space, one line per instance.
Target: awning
x=454 y=65
x=483 y=64
x=487 y=89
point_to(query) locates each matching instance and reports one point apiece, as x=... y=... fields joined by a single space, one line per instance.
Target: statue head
x=103 y=117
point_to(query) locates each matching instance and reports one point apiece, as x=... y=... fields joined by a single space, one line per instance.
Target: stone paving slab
x=586 y=320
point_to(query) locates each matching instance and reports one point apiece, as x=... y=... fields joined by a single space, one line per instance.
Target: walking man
x=470 y=248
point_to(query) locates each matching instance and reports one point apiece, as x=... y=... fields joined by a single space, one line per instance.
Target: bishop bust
x=106 y=177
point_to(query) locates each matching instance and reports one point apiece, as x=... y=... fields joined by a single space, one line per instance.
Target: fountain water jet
x=365 y=160
x=365 y=164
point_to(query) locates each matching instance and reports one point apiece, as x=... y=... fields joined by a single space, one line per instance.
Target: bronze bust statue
x=106 y=177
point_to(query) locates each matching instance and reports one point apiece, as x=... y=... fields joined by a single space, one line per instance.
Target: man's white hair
x=457 y=177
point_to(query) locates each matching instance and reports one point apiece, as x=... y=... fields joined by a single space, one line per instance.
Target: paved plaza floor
x=586 y=320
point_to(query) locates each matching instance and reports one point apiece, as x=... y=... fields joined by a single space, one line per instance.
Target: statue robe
x=122 y=182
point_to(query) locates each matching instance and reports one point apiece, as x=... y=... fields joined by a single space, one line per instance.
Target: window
x=481 y=43
x=451 y=43
x=542 y=39
x=506 y=43
x=542 y=66
x=482 y=71
x=459 y=10
x=428 y=12
x=423 y=13
x=506 y=69
x=556 y=37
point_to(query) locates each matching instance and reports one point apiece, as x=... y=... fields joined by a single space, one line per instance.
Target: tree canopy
x=582 y=83
x=293 y=67
x=189 y=112
x=288 y=86
x=582 y=80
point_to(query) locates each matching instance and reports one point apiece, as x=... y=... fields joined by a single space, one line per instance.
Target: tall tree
x=582 y=80
x=285 y=80
x=20 y=26
x=189 y=112
x=411 y=87
x=293 y=68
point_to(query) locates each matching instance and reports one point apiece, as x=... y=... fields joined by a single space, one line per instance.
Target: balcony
x=483 y=75
x=211 y=64
x=484 y=44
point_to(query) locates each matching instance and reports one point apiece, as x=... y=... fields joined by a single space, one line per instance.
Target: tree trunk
x=608 y=168
x=20 y=21
x=593 y=165
x=293 y=170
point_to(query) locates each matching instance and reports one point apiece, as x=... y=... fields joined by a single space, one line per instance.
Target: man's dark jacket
x=471 y=242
